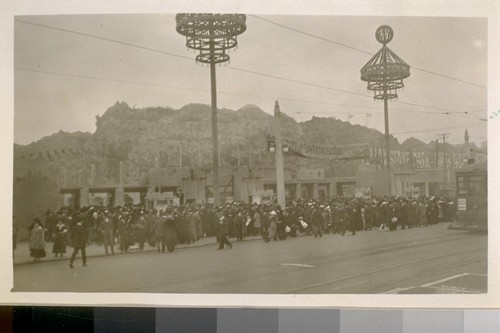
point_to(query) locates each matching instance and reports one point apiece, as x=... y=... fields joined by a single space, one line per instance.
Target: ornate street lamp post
x=385 y=73
x=212 y=35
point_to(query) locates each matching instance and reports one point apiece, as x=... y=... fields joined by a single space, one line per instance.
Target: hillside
x=155 y=136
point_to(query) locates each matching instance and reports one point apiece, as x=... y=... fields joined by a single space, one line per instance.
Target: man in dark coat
x=223 y=231
x=79 y=241
x=317 y=221
x=349 y=219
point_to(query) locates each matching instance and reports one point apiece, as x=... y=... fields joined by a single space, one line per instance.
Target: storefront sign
x=363 y=192
x=462 y=204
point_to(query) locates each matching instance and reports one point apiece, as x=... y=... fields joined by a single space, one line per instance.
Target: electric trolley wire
x=360 y=50
x=158 y=85
x=229 y=67
x=404 y=112
x=435 y=129
x=104 y=39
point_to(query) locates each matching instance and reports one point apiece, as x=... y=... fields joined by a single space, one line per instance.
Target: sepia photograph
x=232 y=153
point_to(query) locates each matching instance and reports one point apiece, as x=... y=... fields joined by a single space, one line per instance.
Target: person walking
x=257 y=226
x=273 y=226
x=223 y=231
x=124 y=231
x=107 y=231
x=265 y=222
x=79 y=242
x=37 y=240
x=60 y=232
x=317 y=221
x=159 y=231
x=238 y=226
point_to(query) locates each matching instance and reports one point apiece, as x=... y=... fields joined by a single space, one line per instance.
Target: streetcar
x=472 y=198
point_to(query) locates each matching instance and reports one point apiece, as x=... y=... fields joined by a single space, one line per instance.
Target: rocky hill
x=155 y=137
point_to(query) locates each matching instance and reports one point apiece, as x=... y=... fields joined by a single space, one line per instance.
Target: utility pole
x=199 y=147
x=92 y=174
x=238 y=156
x=445 y=170
x=437 y=153
x=180 y=156
x=199 y=156
x=249 y=156
x=120 y=177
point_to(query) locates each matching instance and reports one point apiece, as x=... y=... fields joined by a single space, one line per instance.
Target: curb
x=150 y=249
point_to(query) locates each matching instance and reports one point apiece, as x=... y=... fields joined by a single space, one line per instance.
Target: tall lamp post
x=212 y=35
x=279 y=149
x=276 y=146
x=384 y=74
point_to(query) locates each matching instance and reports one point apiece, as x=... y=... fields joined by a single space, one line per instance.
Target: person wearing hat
x=37 y=240
x=78 y=241
x=273 y=225
x=265 y=221
x=60 y=232
x=317 y=221
x=302 y=226
x=334 y=219
x=107 y=232
x=223 y=229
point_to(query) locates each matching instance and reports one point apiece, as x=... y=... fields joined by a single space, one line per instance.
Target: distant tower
x=467 y=145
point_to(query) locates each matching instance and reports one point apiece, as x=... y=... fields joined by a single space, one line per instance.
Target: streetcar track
x=273 y=265
x=337 y=255
x=384 y=269
x=362 y=252
x=420 y=274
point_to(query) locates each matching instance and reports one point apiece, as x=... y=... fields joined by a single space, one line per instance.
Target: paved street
x=422 y=260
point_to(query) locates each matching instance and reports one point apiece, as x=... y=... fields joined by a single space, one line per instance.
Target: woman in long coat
x=159 y=231
x=37 y=240
x=60 y=233
x=257 y=226
x=273 y=226
x=422 y=214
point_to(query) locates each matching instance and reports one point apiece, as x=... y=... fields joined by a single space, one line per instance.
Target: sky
x=70 y=68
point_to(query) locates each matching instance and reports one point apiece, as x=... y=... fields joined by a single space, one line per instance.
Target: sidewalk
x=22 y=253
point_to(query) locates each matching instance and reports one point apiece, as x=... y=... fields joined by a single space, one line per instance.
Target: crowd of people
x=119 y=228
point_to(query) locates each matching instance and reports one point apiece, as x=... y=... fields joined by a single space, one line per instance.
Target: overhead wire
x=229 y=67
x=229 y=93
x=434 y=129
x=360 y=50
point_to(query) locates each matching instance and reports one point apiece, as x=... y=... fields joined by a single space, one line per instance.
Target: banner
x=421 y=159
x=327 y=152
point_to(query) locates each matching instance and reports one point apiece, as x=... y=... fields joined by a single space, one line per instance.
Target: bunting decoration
x=327 y=152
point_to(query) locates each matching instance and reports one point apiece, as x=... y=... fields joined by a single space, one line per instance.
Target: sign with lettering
x=421 y=159
x=462 y=204
x=327 y=152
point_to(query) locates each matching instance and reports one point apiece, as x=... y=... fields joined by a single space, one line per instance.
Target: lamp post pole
x=280 y=176
x=212 y=35
x=384 y=73
x=215 y=132
x=387 y=146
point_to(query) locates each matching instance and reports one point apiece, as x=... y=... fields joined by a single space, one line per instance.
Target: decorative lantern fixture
x=212 y=35
x=385 y=73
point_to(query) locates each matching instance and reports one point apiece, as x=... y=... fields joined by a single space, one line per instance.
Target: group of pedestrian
x=134 y=224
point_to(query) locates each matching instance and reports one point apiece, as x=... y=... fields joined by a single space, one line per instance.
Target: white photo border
x=472 y=8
